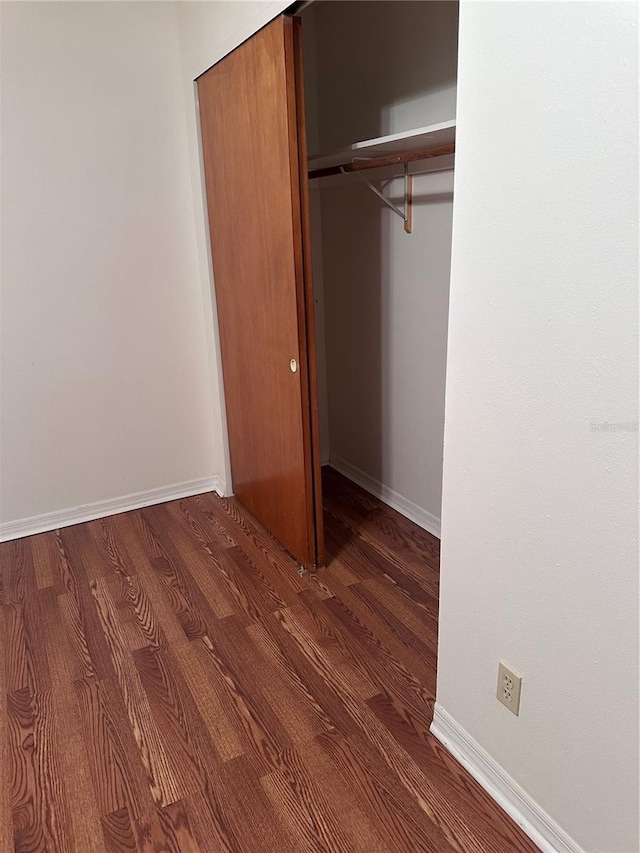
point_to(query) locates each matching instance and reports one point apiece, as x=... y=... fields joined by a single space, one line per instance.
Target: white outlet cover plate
x=509 y=687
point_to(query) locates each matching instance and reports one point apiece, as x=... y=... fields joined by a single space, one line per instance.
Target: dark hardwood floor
x=170 y=683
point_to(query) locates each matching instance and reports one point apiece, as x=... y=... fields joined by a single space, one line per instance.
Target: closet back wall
x=384 y=67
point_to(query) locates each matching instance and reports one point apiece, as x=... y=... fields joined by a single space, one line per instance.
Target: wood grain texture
x=6 y=821
x=40 y=799
x=306 y=293
x=187 y=691
x=250 y=121
x=385 y=160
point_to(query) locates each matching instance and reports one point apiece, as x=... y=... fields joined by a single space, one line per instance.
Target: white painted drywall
x=105 y=384
x=540 y=510
x=210 y=29
x=384 y=67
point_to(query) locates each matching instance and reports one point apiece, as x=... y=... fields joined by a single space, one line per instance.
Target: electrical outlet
x=509 y=686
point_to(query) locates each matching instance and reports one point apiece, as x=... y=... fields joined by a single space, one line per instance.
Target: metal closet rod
x=386 y=160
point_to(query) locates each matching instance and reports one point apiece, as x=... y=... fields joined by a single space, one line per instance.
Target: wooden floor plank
x=74 y=759
x=15 y=650
x=206 y=695
x=252 y=539
x=115 y=766
x=114 y=555
x=163 y=778
x=267 y=556
x=240 y=585
x=40 y=798
x=170 y=683
x=206 y=584
x=260 y=731
x=270 y=645
x=165 y=561
x=79 y=607
x=74 y=768
x=396 y=816
x=45 y=556
x=301 y=805
x=188 y=742
x=126 y=530
x=309 y=678
x=403 y=614
x=26 y=647
x=388 y=665
x=239 y=816
x=118 y=832
x=367 y=619
x=335 y=652
x=204 y=523
x=361 y=828
x=6 y=821
x=176 y=825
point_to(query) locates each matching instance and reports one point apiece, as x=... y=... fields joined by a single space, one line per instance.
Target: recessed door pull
x=293 y=364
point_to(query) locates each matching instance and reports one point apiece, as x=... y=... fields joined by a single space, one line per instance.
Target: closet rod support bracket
x=406 y=214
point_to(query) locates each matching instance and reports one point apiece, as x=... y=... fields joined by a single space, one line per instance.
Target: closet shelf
x=423 y=143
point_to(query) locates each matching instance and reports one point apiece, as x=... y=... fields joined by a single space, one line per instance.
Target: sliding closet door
x=254 y=154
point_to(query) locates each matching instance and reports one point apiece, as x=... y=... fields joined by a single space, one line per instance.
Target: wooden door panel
x=249 y=117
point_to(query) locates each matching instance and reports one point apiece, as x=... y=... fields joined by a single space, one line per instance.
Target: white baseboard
x=99 y=509
x=538 y=825
x=396 y=501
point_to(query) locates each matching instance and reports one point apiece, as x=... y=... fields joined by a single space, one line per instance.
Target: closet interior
x=380 y=89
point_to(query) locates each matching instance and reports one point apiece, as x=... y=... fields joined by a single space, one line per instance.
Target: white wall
x=209 y=29
x=384 y=67
x=540 y=511
x=105 y=386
